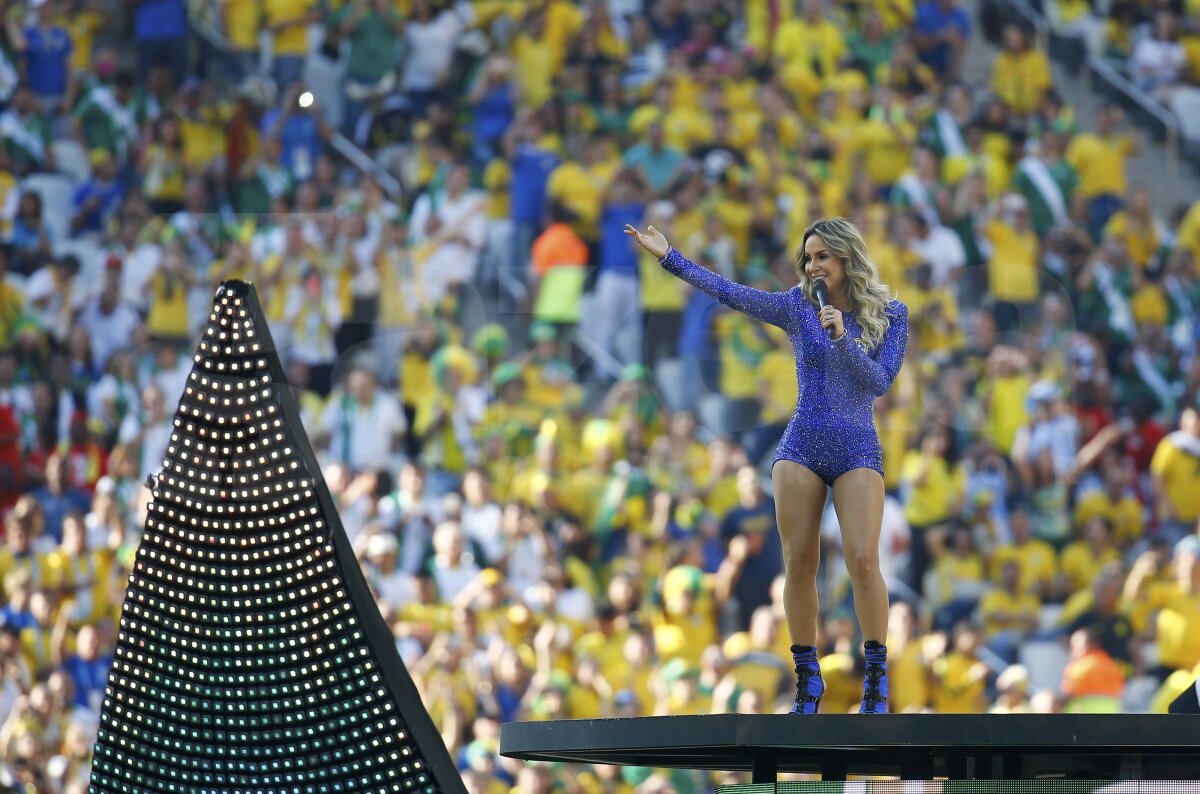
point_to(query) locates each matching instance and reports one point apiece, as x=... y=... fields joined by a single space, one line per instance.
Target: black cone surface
x=250 y=655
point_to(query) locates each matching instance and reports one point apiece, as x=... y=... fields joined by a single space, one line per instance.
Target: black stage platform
x=911 y=746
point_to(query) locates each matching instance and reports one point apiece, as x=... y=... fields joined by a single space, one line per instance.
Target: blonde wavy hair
x=866 y=292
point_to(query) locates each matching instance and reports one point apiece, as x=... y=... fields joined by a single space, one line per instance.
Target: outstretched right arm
x=769 y=307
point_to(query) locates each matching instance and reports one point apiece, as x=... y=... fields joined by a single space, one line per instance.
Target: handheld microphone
x=823 y=298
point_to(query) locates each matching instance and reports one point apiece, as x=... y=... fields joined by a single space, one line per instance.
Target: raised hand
x=652 y=240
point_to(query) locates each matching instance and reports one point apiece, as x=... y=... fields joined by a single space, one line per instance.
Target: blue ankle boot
x=875 y=680
x=810 y=687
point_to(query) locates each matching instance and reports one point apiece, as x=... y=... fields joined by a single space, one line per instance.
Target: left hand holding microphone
x=831 y=318
x=831 y=321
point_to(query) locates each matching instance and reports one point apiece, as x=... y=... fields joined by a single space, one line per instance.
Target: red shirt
x=1140 y=444
x=1091 y=420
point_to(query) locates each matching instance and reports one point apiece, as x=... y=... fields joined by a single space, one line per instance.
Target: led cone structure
x=251 y=657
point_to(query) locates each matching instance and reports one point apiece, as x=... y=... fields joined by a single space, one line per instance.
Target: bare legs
x=858 y=499
x=799 y=502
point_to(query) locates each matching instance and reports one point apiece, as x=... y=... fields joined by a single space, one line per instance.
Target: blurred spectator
x=58 y=496
x=448 y=227
x=617 y=315
x=957 y=579
x=31 y=238
x=1083 y=559
x=1105 y=615
x=47 y=49
x=26 y=132
x=362 y=426
x=54 y=295
x=960 y=678
x=1092 y=682
x=287 y=21
x=1078 y=18
x=929 y=496
x=1021 y=73
x=1036 y=559
x=430 y=38
x=1173 y=602
x=1176 y=498
x=1099 y=159
x=1158 y=59
x=371 y=31
x=1009 y=613
x=753 y=559
x=1012 y=691
x=941 y=31
x=301 y=128
x=98 y=200
x=160 y=31
x=147 y=431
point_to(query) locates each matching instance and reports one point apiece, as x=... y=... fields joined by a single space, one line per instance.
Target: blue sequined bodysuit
x=833 y=429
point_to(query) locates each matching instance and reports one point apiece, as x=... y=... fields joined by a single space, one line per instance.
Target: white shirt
x=362 y=436
x=172 y=382
x=395 y=588
x=526 y=565
x=482 y=525
x=431 y=46
x=942 y=250
x=1060 y=435
x=1155 y=63
x=140 y=266
x=452 y=579
x=109 y=332
x=154 y=442
x=311 y=337
x=413 y=523
x=463 y=215
x=56 y=314
x=364 y=279
x=109 y=388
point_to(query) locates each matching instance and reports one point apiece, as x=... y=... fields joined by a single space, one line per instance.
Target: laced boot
x=875 y=680
x=810 y=687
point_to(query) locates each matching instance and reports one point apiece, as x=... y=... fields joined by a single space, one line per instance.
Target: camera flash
x=306 y=99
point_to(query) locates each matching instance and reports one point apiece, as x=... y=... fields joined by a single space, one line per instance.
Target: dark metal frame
x=912 y=746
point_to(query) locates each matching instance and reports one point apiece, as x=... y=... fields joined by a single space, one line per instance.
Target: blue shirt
x=55 y=508
x=931 y=20
x=9 y=616
x=530 y=171
x=618 y=252
x=494 y=113
x=671 y=35
x=753 y=587
x=88 y=676
x=160 y=19
x=47 y=60
x=695 y=332
x=299 y=142
x=110 y=196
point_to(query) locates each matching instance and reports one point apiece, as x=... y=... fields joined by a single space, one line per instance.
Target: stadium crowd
x=549 y=454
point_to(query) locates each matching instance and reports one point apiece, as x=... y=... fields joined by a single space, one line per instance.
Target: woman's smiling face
x=820 y=262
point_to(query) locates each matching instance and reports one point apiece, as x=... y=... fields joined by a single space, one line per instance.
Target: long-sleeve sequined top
x=837 y=381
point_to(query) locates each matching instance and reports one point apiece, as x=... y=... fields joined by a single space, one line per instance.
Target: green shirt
x=27 y=139
x=870 y=55
x=107 y=124
x=1041 y=217
x=372 y=45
